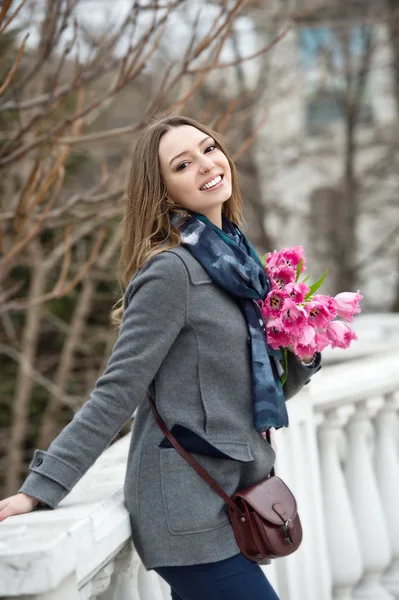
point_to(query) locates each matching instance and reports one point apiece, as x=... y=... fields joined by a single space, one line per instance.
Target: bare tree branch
x=15 y=66
x=3 y=11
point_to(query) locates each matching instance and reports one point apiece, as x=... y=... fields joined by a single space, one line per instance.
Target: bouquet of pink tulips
x=298 y=319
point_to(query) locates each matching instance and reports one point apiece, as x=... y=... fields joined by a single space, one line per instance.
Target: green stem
x=285 y=375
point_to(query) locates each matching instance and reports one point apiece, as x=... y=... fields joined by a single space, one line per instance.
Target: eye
x=182 y=165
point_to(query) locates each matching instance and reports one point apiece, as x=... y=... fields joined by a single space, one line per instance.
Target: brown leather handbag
x=264 y=516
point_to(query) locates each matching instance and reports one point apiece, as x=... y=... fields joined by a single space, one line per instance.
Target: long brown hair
x=147 y=226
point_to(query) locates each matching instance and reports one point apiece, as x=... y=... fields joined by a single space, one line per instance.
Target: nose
x=206 y=163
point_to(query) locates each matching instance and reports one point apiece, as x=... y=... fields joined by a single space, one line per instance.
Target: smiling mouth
x=211 y=184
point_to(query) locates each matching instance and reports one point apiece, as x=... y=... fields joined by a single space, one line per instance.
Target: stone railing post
x=122 y=585
x=387 y=473
x=297 y=463
x=366 y=504
x=150 y=586
x=342 y=541
x=100 y=584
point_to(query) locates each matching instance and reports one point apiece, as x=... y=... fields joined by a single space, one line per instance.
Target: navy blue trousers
x=235 y=578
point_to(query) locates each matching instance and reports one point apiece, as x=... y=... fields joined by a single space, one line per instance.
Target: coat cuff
x=45 y=463
x=314 y=363
x=44 y=489
x=50 y=478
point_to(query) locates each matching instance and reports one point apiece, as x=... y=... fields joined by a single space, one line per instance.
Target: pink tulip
x=340 y=334
x=322 y=341
x=305 y=345
x=348 y=304
x=318 y=314
x=277 y=336
x=282 y=275
x=292 y=257
x=318 y=344
x=293 y=317
x=328 y=302
x=273 y=303
x=297 y=291
x=272 y=260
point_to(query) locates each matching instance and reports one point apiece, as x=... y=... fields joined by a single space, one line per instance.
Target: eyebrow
x=208 y=137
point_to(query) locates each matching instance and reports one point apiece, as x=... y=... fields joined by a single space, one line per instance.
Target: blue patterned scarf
x=231 y=261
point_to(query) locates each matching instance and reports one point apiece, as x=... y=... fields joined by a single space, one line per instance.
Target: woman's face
x=196 y=173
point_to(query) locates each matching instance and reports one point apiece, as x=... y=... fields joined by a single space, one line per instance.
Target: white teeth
x=212 y=183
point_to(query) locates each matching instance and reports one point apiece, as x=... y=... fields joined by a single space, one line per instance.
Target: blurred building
x=328 y=154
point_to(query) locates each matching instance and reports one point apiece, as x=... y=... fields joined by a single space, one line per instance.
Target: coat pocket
x=194 y=442
x=191 y=505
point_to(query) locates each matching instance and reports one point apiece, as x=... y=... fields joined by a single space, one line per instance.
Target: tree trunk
x=348 y=209
x=393 y=23
x=248 y=166
x=50 y=426
x=29 y=343
x=395 y=305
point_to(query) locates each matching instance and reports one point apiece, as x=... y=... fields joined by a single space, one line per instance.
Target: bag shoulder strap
x=191 y=461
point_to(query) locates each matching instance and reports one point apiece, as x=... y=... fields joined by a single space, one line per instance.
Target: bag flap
x=271 y=498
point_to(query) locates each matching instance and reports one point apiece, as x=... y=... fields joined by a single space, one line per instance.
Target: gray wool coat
x=186 y=340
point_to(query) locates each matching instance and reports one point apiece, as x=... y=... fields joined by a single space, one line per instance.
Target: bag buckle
x=287 y=528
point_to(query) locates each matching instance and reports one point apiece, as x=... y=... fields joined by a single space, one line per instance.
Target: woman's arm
x=299 y=374
x=155 y=312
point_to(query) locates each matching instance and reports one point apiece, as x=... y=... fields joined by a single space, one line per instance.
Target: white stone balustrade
x=340 y=456
x=356 y=406
x=346 y=483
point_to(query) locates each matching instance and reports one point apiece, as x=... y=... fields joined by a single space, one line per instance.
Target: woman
x=187 y=339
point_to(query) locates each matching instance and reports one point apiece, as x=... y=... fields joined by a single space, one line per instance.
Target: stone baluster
x=165 y=588
x=285 y=586
x=122 y=585
x=366 y=504
x=150 y=587
x=99 y=585
x=298 y=465
x=387 y=474
x=342 y=541
x=128 y=580
x=67 y=590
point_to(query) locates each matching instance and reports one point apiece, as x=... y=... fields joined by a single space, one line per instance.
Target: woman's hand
x=17 y=505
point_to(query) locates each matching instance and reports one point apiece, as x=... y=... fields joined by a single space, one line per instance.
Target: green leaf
x=305 y=279
x=298 y=269
x=263 y=260
x=315 y=286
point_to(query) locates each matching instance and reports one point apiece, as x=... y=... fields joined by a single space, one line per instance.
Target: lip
x=210 y=179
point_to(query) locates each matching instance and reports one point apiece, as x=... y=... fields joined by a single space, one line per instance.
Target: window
x=333 y=59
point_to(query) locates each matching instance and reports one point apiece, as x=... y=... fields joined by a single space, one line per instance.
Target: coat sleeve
x=299 y=374
x=155 y=311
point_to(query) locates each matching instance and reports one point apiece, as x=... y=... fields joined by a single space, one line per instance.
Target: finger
x=6 y=512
